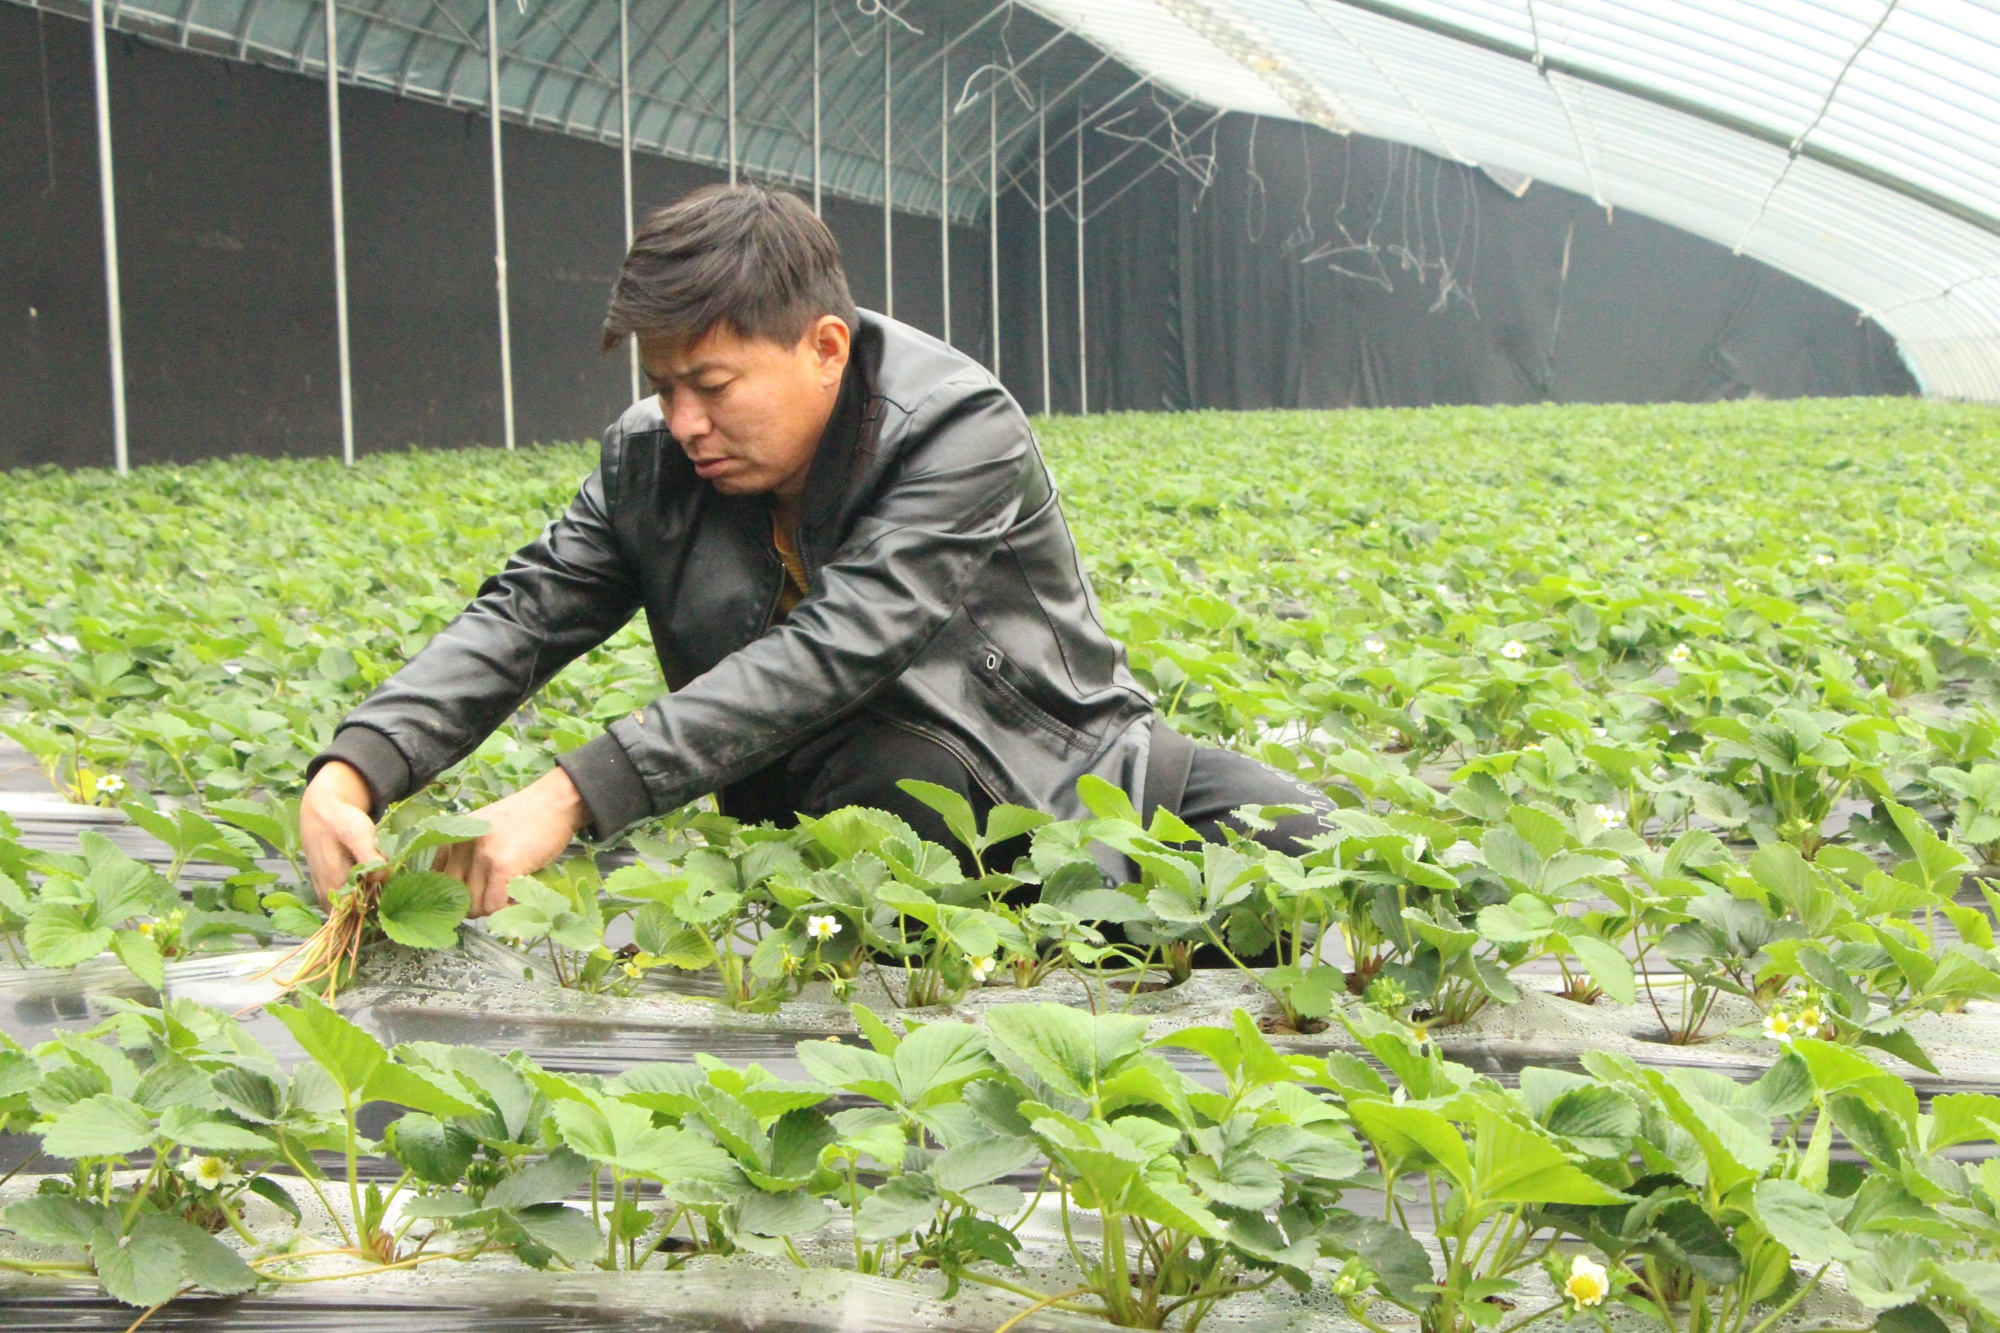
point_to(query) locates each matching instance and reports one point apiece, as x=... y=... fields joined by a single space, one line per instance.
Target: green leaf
x=1406 y=1133
x=549 y=1180
x=1961 y=1117
x=1801 y=1221
x=144 y=1267
x=790 y=1214
x=101 y=1126
x=59 y=936
x=55 y=1219
x=1069 y=1050
x=1609 y=968
x=936 y=1060
x=349 y=1055
x=1973 y=1283
x=1106 y=801
x=1910 y=1319
x=141 y=957
x=901 y=1205
x=1512 y=1165
x=193 y=1127
x=569 y=1232
x=437 y=831
x=1007 y=822
x=1522 y=920
x=1900 y=1043
x=422 y=909
x=981 y=1161
x=1599 y=1118
x=12 y=898
x=955 y=810
x=266 y=1188
x=208 y=1263
x=838 y=1065
x=434 y=1152
x=412 y=1088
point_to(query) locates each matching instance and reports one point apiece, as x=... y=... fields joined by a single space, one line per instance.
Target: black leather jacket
x=946 y=596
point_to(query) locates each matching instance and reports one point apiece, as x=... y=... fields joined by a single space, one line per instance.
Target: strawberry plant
x=391 y=898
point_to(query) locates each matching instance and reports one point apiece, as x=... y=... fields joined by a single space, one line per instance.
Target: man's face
x=749 y=412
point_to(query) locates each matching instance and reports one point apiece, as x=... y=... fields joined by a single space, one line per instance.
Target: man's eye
x=711 y=390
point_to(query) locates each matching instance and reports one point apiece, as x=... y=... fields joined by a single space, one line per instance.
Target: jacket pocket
x=1006 y=689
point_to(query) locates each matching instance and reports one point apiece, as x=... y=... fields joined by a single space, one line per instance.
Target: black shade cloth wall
x=1278 y=265
x=1283 y=266
x=225 y=238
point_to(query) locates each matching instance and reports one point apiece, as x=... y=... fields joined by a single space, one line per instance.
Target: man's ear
x=831 y=343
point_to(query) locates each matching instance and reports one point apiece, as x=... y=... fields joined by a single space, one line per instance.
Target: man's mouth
x=709 y=467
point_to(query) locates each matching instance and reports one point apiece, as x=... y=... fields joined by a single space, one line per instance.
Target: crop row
x=1431 y=1194
x=1424 y=920
x=1734 y=617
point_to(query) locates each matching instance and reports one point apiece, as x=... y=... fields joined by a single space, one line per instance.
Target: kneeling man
x=855 y=571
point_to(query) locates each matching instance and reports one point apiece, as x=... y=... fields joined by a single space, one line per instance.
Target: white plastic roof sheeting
x=1852 y=143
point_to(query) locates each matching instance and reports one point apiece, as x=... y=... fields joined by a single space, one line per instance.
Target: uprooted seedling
x=420 y=908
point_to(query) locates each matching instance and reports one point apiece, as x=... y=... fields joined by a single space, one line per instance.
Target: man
x=853 y=565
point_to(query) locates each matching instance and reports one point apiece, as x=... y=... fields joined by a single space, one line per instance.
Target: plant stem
x=1791 y=1301
x=1041 y=1305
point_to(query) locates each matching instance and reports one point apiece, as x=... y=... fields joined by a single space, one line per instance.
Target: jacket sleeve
x=557 y=598
x=940 y=512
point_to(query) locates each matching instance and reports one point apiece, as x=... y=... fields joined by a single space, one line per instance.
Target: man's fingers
x=491 y=878
x=357 y=839
x=455 y=860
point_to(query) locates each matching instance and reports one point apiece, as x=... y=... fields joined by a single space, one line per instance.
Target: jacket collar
x=850 y=431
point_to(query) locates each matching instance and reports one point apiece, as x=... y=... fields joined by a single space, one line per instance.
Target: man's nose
x=686 y=420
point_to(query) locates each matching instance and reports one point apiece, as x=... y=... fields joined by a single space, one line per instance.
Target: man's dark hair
x=746 y=255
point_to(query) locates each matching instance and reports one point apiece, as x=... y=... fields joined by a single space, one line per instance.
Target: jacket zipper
x=777 y=593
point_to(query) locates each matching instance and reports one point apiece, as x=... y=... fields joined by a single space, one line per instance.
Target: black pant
x=860 y=762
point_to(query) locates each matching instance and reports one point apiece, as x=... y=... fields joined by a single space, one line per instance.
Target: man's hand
x=530 y=829
x=334 y=827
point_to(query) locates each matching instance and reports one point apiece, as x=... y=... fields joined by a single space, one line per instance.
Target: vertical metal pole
x=993 y=217
x=1082 y=330
x=625 y=149
x=816 y=208
x=944 y=183
x=888 y=194
x=339 y=233
x=107 y=203
x=1042 y=227
x=499 y=218
x=732 y=92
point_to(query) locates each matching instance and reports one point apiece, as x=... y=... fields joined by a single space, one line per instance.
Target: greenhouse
x=1327 y=665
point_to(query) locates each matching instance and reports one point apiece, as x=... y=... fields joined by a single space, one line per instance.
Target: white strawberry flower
x=1588 y=1282
x=823 y=927
x=1374 y=645
x=1609 y=815
x=109 y=787
x=1778 y=1027
x=210 y=1173
x=1514 y=650
x=1681 y=655
x=1822 y=560
x=982 y=968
